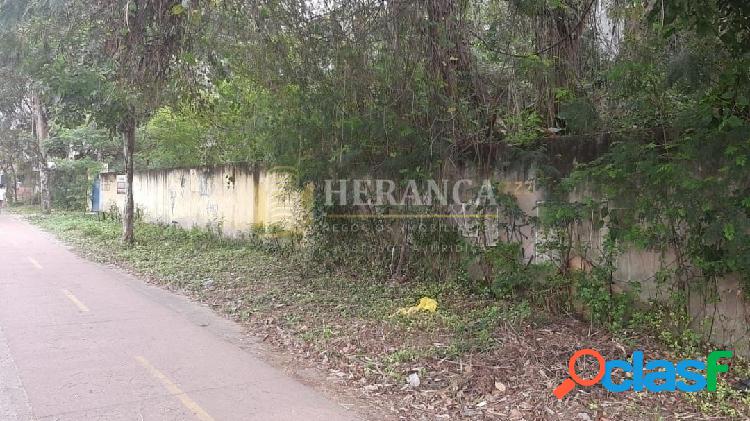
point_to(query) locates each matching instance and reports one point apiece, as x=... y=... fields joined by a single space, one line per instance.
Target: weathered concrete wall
x=236 y=198
x=233 y=199
x=723 y=314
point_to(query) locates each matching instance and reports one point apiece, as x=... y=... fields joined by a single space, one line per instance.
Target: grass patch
x=201 y=262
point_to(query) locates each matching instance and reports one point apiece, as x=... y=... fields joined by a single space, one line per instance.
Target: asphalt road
x=81 y=341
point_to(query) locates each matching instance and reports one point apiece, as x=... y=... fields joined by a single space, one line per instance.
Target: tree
x=25 y=45
x=17 y=148
x=111 y=59
x=140 y=42
x=41 y=133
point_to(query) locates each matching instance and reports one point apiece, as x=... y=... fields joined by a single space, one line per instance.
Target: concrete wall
x=723 y=315
x=236 y=198
x=233 y=199
x=721 y=312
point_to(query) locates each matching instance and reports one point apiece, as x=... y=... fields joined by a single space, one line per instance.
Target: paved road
x=80 y=341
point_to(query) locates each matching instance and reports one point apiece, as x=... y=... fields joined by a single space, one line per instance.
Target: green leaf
x=178 y=9
x=732 y=122
x=729 y=231
x=730 y=150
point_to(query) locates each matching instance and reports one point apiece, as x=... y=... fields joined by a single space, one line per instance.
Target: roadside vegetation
x=476 y=357
x=652 y=96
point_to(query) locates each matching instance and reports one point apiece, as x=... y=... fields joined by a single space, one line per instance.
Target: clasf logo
x=653 y=376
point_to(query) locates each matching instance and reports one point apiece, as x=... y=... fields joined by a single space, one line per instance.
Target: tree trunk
x=11 y=185
x=128 y=137
x=41 y=131
x=45 y=200
x=15 y=183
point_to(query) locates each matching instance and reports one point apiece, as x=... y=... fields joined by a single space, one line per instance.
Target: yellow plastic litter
x=424 y=304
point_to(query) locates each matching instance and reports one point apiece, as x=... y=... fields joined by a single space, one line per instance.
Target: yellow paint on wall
x=232 y=198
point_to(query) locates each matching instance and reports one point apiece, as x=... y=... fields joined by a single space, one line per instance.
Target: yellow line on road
x=34 y=262
x=75 y=301
x=190 y=404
